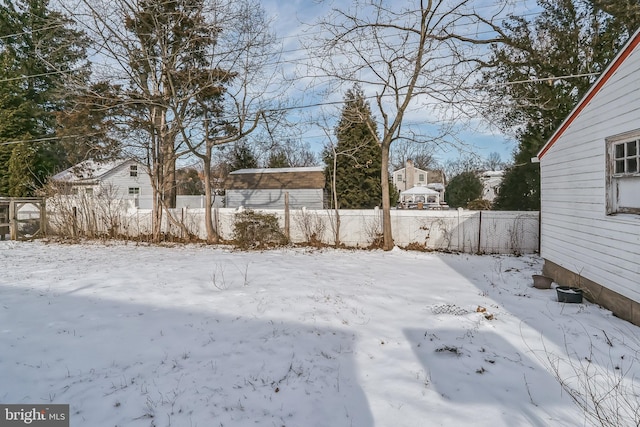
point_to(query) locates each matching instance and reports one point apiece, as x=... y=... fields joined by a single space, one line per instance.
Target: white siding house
x=410 y=176
x=123 y=179
x=491 y=182
x=590 y=190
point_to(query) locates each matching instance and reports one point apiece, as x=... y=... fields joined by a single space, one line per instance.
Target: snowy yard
x=200 y=336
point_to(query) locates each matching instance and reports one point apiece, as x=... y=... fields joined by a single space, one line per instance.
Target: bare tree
x=421 y=153
x=409 y=55
x=244 y=49
x=465 y=163
x=494 y=162
x=189 y=75
x=335 y=153
x=299 y=153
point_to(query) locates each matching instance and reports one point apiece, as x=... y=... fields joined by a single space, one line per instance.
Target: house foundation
x=621 y=306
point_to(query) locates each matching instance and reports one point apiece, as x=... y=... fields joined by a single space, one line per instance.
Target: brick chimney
x=410 y=173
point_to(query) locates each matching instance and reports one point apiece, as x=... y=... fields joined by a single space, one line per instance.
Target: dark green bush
x=255 y=230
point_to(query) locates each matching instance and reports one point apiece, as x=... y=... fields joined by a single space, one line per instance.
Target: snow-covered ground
x=191 y=335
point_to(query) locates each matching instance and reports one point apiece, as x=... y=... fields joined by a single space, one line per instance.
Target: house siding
x=274 y=198
x=121 y=180
x=266 y=188
x=577 y=234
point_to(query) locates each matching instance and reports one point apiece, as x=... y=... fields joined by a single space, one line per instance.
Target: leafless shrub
x=110 y=209
x=445 y=231
x=311 y=225
x=99 y=214
x=220 y=281
x=604 y=390
x=373 y=230
x=516 y=235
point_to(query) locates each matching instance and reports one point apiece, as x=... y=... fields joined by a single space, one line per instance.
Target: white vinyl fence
x=492 y=232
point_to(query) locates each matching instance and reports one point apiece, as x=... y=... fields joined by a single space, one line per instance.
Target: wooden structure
x=267 y=188
x=590 y=190
x=4 y=218
x=22 y=217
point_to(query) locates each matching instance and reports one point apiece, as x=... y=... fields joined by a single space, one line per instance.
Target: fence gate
x=22 y=218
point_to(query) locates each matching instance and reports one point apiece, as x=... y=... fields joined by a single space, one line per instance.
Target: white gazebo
x=420 y=197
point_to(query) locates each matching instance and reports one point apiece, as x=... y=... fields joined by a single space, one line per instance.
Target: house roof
x=432 y=175
x=276 y=178
x=419 y=190
x=626 y=51
x=89 y=170
x=278 y=170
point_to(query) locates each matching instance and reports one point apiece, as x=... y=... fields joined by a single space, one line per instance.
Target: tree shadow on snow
x=486 y=375
x=123 y=363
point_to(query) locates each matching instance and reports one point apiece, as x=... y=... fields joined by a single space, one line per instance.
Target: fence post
x=182 y=222
x=286 y=216
x=75 y=222
x=540 y=231
x=479 y=232
x=216 y=221
x=13 y=221
x=459 y=245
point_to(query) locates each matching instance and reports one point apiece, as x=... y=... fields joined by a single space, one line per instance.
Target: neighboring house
x=123 y=179
x=420 y=198
x=590 y=190
x=410 y=176
x=266 y=188
x=491 y=181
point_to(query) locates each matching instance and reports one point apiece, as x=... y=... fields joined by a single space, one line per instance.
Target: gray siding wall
x=576 y=232
x=274 y=199
x=122 y=181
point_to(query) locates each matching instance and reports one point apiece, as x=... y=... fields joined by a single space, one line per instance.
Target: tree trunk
x=169 y=188
x=335 y=198
x=386 y=201
x=212 y=233
x=156 y=206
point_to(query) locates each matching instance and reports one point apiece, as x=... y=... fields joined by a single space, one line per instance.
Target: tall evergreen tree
x=40 y=53
x=242 y=157
x=278 y=159
x=575 y=38
x=356 y=156
x=462 y=189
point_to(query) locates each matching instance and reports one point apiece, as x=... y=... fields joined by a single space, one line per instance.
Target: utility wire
x=341 y=102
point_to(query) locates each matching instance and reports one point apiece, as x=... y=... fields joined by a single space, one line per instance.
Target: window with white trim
x=134 y=191
x=623 y=173
x=626 y=157
x=421 y=177
x=133 y=170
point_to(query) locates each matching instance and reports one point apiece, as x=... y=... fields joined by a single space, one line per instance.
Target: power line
x=277 y=62
x=315 y=104
x=45 y=139
x=32 y=76
x=341 y=102
x=36 y=30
